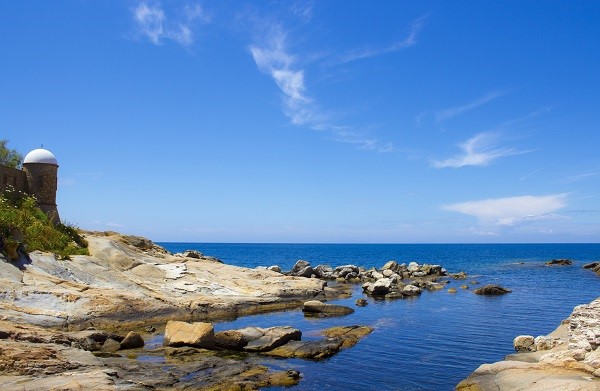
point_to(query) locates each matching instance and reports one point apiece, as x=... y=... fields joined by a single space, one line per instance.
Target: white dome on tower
x=40 y=155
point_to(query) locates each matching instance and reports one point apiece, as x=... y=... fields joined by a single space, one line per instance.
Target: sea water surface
x=433 y=341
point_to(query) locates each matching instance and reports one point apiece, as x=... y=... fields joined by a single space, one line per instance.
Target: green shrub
x=21 y=219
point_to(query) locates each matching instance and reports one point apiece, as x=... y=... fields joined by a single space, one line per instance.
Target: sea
x=433 y=341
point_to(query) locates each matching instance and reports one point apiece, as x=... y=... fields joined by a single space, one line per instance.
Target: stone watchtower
x=41 y=168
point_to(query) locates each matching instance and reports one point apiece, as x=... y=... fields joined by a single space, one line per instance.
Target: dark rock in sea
x=320 y=309
x=559 y=262
x=132 y=340
x=594 y=266
x=459 y=276
x=361 y=302
x=491 y=289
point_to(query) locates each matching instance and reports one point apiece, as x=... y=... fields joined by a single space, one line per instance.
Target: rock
x=110 y=346
x=559 y=262
x=491 y=289
x=320 y=309
x=387 y=273
x=308 y=349
x=419 y=274
x=380 y=287
x=198 y=334
x=345 y=271
x=272 y=338
x=361 y=302
x=193 y=254
x=591 y=265
x=132 y=340
x=524 y=343
x=230 y=339
x=324 y=271
x=274 y=268
x=391 y=265
x=411 y=290
x=413 y=267
x=452 y=290
x=376 y=275
x=307 y=272
x=459 y=276
x=545 y=343
x=299 y=266
x=350 y=335
x=464 y=287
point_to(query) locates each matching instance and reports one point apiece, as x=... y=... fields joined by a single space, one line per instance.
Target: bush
x=22 y=220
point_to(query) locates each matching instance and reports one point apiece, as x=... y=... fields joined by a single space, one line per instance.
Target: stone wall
x=43 y=182
x=13 y=177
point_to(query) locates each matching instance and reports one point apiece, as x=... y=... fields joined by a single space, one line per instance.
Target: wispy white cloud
x=512 y=210
x=530 y=174
x=410 y=40
x=153 y=24
x=580 y=177
x=272 y=56
x=479 y=150
x=445 y=114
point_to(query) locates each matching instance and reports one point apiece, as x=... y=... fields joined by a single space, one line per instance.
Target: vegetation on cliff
x=22 y=223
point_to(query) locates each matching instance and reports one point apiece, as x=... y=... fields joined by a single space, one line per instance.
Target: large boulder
x=272 y=338
x=491 y=289
x=323 y=271
x=411 y=290
x=320 y=309
x=198 y=334
x=380 y=287
x=302 y=269
x=391 y=265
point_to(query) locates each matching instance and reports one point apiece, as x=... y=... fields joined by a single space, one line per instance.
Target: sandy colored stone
x=197 y=334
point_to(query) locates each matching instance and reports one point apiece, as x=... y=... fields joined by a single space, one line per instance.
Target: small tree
x=9 y=157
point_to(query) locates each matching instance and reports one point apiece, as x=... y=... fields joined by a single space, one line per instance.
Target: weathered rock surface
x=594 y=266
x=491 y=289
x=264 y=339
x=129 y=280
x=197 y=334
x=337 y=338
x=567 y=359
x=320 y=309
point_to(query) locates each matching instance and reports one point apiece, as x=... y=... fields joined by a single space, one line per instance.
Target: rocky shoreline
x=85 y=323
x=566 y=359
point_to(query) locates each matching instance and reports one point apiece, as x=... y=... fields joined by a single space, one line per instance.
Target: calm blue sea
x=433 y=341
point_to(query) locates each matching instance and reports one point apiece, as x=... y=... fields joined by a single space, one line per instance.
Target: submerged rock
x=320 y=309
x=132 y=340
x=491 y=289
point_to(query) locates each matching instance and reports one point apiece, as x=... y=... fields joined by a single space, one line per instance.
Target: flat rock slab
x=349 y=335
x=320 y=309
x=308 y=349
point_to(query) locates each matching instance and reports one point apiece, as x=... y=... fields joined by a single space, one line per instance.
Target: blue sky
x=330 y=121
